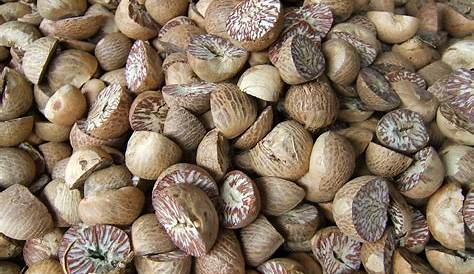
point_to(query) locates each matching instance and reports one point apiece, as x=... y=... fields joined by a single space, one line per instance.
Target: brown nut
x=351 y=203
x=74 y=28
x=457 y=21
x=299 y=224
x=37 y=57
x=134 y=21
x=375 y=91
x=18 y=34
x=262 y=81
x=42 y=248
x=213 y=154
x=416 y=51
x=46 y=266
x=393 y=28
x=194 y=97
x=188 y=216
x=23 y=216
x=164 y=10
x=377 y=256
x=184 y=128
x=62 y=202
x=177 y=70
x=341 y=9
x=256 y=131
x=112 y=51
x=416 y=99
x=405 y=262
x=457 y=160
x=343 y=62
x=15 y=94
x=15 y=131
x=448 y=261
x=149 y=237
x=278 y=195
x=358 y=137
x=148 y=112
x=16 y=167
x=65 y=106
x=312 y=104
x=58 y=9
x=385 y=162
x=174 y=262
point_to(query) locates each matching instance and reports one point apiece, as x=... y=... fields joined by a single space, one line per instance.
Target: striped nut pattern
x=62 y=202
x=335 y=251
x=232 y=110
x=173 y=262
x=419 y=235
x=300 y=60
x=341 y=9
x=108 y=117
x=468 y=210
x=240 y=200
x=455 y=124
x=241 y=27
x=133 y=20
x=188 y=216
x=37 y=57
x=331 y=165
x=213 y=154
x=299 y=224
x=184 y=128
x=360 y=208
x=112 y=51
x=74 y=28
x=194 y=97
x=423 y=177
x=259 y=241
x=405 y=75
x=402 y=130
x=318 y=16
x=95 y=249
x=377 y=256
x=148 y=112
x=382 y=161
x=225 y=256
x=256 y=131
x=281 y=266
x=183 y=173
x=367 y=52
x=460 y=85
x=16 y=94
x=175 y=22
x=143 y=69
x=22 y=215
x=375 y=91
x=300 y=28
x=79 y=137
x=215 y=16
x=457 y=160
x=46 y=247
x=215 y=59
x=16 y=167
x=284 y=152
x=278 y=195
x=314 y=105
x=400 y=214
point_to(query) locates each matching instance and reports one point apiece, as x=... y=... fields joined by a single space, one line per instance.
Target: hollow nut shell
x=23 y=216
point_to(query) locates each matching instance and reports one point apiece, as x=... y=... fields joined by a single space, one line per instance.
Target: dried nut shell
x=215 y=59
x=360 y=208
x=416 y=51
x=16 y=167
x=37 y=57
x=256 y=131
x=15 y=131
x=53 y=152
x=42 y=248
x=23 y=216
x=445 y=222
x=15 y=94
x=393 y=28
x=14 y=10
x=115 y=77
x=225 y=256
x=358 y=137
x=175 y=262
x=419 y=236
x=343 y=62
x=457 y=22
x=149 y=237
x=284 y=152
x=71 y=66
x=366 y=51
x=375 y=91
x=377 y=256
x=149 y=153
x=52 y=132
x=9 y=248
x=133 y=20
x=188 y=216
x=434 y=71
x=216 y=16
x=232 y=110
x=66 y=106
x=80 y=138
x=313 y=104
x=299 y=224
x=406 y=262
x=184 y=128
x=74 y=28
x=117 y=207
x=240 y=24
x=393 y=58
x=213 y=154
x=263 y=82
x=108 y=117
x=307 y=261
x=402 y=130
x=176 y=35
x=424 y=176
x=416 y=99
x=194 y=97
x=259 y=241
x=59 y=170
x=331 y=165
x=238 y=189
x=454 y=124
x=448 y=261
x=83 y=163
x=148 y=112
x=110 y=178
x=300 y=60
x=277 y=265
x=385 y=162
x=177 y=70
x=341 y=10
x=143 y=70
x=458 y=55
x=47 y=266
x=58 y=9
x=457 y=160
x=112 y=51
x=18 y=34
x=164 y=10
x=335 y=251
x=62 y=203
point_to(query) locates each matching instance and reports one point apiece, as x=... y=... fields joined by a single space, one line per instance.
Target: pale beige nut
x=298 y=226
x=57 y=9
x=263 y=82
x=23 y=216
x=15 y=131
x=53 y=152
x=184 y=128
x=133 y=20
x=177 y=70
x=392 y=28
x=377 y=256
x=37 y=57
x=149 y=153
x=416 y=99
x=116 y=76
x=42 y=248
x=331 y=165
x=340 y=9
x=256 y=131
x=74 y=28
x=446 y=261
x=174 y=262
x=343 y=62
x=112 y=51
x=66 y=106
x=18 y=34
x=16 y=167
x=62 y=203
x=79 y=137
x=457 y=160
x=149 y=237
x=416 y=51
x=50 y=132
x=194 y=97
x=16 y=94
x=213 y=154
x=46 y=266
x=385 y=162
x=358 y=137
